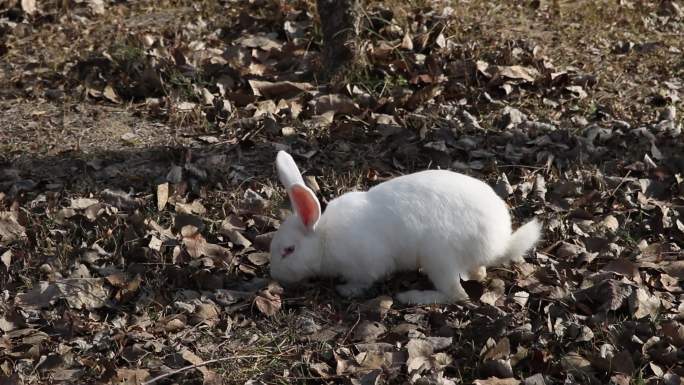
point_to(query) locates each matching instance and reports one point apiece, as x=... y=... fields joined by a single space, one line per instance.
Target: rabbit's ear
x=305 y=204
x=287 y=170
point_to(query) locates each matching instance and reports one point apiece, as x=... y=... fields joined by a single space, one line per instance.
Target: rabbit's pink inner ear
x=306 y=205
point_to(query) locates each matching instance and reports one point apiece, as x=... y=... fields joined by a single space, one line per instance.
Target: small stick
x=624 y=178
x=169 y=374
x=358 y=319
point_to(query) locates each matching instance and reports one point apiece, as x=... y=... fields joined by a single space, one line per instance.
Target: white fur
x=447 y=224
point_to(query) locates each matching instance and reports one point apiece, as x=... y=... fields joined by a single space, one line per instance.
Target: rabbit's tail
x=522 y=240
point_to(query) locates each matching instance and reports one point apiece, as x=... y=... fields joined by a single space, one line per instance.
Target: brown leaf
x=567 y=250
x=407 y=42
x=210 y=377
x=368 y=331
x=495 y=290
x=97 y=7
x=263 y=42
x=674 y=268
x=323 y=120
x=268 y=300
x=206 y=313
x=111 y=95
x=610 y=223
x=575 y=362
x=376 y=308
x=620 y=379
x=6 y=258
x=624 y=267
x=83 y=203
x=29 y=6
x=322 y=369
x=423 y=95
x=10 y=229
x=41 y=296
x=162 y=196
x=263 y=241
x=675 y=331
x=80 y=293
x=577 y=91
x=340 y=104
x=419 y=354
x=536 y=379
x=229 y=229
x=131 y=376
x=502 y=349
x=371 y=359
x=497 y=381
x=127 y=288
x=196 y=207
x=198 y=247
x=155 y=243
x=283 y=90
x=521 y=297
x=84 y=293
x=175 y=324
x=259 y=259
x=622 y=363
x=604 y=296
x=642 y=304
x=516 y=72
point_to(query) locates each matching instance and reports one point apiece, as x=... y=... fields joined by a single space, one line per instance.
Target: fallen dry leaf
x=83 y=203
x=29 y=6
x=233 y=233
x=132 y=376
x=196 y=207
x=368 y=331
x=528 y=74
x=268 y=300
x=642 y=304
x=210 y=377
x=162 y=196
x=497 y=381
x=284 y=89
x=80 y=293
x=6 y=258
x=377 y=308
x=10 y=229
x=259 y=259
x=198 y=247
x=675 y=331
x=419 y=355
x=340 y=104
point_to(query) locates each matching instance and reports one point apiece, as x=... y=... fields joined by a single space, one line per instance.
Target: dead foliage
x=138 y=200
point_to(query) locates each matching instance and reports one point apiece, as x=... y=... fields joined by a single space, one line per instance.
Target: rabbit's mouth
x=286 y=278
x=291 y=276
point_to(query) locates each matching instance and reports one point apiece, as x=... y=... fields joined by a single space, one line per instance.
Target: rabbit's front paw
x=351 y=289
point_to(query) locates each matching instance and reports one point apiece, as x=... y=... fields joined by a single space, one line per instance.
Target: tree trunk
x=339 y=23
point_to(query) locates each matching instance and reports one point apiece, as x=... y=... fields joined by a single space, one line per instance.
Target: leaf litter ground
x=137 y=194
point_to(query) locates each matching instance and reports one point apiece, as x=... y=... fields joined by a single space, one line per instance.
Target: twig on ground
x=183 y=369
x=358 y=319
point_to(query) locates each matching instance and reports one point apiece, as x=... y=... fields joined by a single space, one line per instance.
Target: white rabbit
x=447 y=224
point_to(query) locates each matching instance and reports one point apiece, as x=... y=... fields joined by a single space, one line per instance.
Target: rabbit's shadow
x=325 y=288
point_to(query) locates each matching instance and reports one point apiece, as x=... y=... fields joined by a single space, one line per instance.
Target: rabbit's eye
x=288 y=250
